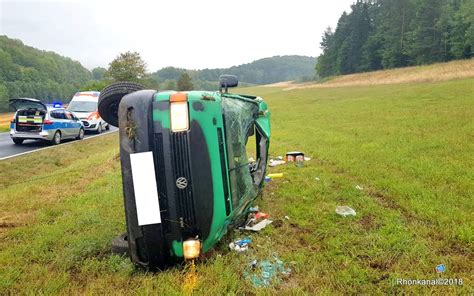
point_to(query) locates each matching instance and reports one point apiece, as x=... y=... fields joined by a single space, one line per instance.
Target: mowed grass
x=5 y=119
x=409 y=146
x=438 y=72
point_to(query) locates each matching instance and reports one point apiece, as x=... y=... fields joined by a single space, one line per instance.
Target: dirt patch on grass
x=12 y=221
x=369 y=223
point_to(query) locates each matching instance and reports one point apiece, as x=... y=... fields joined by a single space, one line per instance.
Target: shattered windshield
x=239 y=117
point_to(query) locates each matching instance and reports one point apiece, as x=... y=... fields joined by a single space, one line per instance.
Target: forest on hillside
x=262 y=71
x=28 y=72
x=383 y=34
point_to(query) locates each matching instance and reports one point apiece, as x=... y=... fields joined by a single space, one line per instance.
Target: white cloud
x=188 y=34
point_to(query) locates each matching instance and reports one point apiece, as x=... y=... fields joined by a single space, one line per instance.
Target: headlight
x=179 y=112
x=191 y=248
x=93 y=116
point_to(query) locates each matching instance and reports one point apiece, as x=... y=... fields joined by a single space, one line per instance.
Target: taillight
x=179 y=112
x=46 y=121
x=13 y=119
x=93 y=115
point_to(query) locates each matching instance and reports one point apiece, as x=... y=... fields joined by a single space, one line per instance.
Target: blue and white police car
x=37 y=121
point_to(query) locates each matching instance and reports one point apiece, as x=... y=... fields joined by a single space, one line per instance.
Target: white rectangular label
x=144 y=185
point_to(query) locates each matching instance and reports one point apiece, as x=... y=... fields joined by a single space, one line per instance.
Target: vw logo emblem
x=181 y=183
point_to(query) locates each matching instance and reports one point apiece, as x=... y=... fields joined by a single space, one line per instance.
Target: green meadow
x=401 y=155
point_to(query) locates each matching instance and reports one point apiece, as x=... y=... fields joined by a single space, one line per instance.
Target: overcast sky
x=188 y=34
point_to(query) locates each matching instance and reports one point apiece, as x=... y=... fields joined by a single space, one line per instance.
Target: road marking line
x=70 y=142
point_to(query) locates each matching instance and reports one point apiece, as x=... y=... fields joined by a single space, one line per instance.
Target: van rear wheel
x=17 y=141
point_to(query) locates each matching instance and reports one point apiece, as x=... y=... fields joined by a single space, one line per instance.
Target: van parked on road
x=84 y=105
x=36 y=121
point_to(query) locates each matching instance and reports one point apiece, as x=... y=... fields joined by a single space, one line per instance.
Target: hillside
x=29 y=72
x=377 y=35
x=430 y=73
x=262 y=71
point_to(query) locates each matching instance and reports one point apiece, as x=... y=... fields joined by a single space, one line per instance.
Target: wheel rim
x=57 y=137
x=81 y=134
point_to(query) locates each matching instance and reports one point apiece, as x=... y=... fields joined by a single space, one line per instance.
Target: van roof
x=92 y=96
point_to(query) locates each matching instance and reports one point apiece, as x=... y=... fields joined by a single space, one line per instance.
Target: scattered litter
x=280 y=157
x=345 y=211
x=317 y=179
x=276 y=175
x=254 y=209
x=274 y=163
x=307 y=159
x=251 y=159
x=261 y=215
x=292 y=156
x=287 y=218
x=240 y=245
x=259 y=226
x=359 y=187
x=299 y=161
x=267 y=179
x=266 y=272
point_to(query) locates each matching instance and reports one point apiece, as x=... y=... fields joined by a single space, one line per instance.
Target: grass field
x=454 y=70
x=409 y=146
x=5 y=119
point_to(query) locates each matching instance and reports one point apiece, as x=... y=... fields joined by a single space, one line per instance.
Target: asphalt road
x=8 y=149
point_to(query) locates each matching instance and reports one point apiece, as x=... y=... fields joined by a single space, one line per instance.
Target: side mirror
x=226 y=81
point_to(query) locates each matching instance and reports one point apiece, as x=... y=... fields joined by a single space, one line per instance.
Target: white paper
x=144 y=185
x=259 y=226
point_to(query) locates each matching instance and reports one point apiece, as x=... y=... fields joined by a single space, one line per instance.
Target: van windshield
x=82 y=106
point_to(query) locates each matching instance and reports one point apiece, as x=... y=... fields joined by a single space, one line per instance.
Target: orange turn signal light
x=179 y=97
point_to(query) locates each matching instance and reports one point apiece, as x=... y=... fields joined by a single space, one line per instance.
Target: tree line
x=28 y=72
x=262 y=71
x=384 y=34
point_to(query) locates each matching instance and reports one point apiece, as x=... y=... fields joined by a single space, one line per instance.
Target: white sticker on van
x=144 y=185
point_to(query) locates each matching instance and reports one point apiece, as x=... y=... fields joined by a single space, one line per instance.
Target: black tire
x=110 y=98
x=17 y=141
x=80 y=136
x=120 y=245
x=99 y=129
x=107 y=128
x=56 y=138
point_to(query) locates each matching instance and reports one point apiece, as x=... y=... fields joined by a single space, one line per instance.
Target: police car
x=37 y=121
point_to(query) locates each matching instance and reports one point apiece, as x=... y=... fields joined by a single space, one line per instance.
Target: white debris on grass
x=345 y=211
